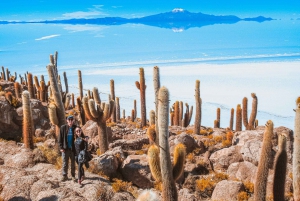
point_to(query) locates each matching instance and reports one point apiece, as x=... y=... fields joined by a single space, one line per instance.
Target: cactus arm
x=245 y=112
x=30 y=85
x=137 y=84
x=154 y=162
x=96 y=96
x=52 y=114
x=86 y=108
x=92 y=109
x=238 y=123
x=66 y=82
x=179 y=159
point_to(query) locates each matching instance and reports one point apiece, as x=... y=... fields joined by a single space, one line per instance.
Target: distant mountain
x=178 y=19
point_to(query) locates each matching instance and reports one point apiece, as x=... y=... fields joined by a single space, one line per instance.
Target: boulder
x=223 y=158
x=22 y=159
x=243 y=171
x=134 y=144
x=124 y=196
x=135 y=169
x=185 y=195
x=227 y=190
x=185 y=139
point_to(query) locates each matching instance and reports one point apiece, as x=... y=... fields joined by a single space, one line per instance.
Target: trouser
x=68 y=154
x=80 y=170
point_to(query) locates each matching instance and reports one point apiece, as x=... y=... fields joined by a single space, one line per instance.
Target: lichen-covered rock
x=227 y=190
x=135 y=169
x=243 y=171
x=185 y=139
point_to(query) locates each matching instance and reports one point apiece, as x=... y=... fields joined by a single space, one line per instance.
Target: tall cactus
x=169 y=188
x=142 y=87
x=249 y=125
x=260 y=186
x=238 y=122
x=80 y=84
x=197 y=124
x=188 y=115
x=59 y=112
x=296 y=153
x=231 y=118
x=176 y=113
x=30 y=85
x=152 y=118
x=66 y=82
x=180 y=113
x=113 y=97
x=135 y=110
x=218 y=120
x=17 y=87
x=118 y=114
x=156 y=83
x=280 y=169
x=3 y=73
x=28 y=127
x=100 y=114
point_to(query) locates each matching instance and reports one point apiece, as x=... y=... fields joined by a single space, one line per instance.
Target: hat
x=70 y=117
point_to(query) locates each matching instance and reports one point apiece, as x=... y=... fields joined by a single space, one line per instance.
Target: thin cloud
x=82 y=14
x=79 y=28
x=47 y=37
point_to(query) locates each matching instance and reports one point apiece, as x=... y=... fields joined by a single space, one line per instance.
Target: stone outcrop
x=227 y=190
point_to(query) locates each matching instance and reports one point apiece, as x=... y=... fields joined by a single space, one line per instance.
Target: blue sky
x=55 y=9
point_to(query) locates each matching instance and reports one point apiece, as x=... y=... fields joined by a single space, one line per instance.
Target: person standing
x=81 y=146
x=67 y=147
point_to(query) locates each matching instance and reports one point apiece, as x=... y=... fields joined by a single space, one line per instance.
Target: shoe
x=73 y=179
x=64 y=178
x=80 y=184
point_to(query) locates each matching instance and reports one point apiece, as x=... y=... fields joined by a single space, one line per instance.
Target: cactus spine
x=265 y=159
x=231 y=119
x=280 y=169
x=197 y=124
x=169 y=188
x=142 y=87
x=296 y=153
x=56 y=95
x=28 y=127
x=99 y=114
x=238 y=122
x=30 y=85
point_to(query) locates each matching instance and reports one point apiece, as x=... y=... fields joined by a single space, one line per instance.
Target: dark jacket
x=63 y=137
x=80 y=145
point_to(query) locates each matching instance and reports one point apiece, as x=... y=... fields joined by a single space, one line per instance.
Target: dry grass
x=189 y=131
x=191 y=158
x=205 y=186
x=52 y=156
x=38 y=139
x=243 y=196
x=158 y=186
x=119 y=185
x=249 y=187
x=2 y=140
x=111 y=124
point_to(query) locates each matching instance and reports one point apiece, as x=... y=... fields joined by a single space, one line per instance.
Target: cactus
x=176 y=113
x=9 y=97
x=217 y=121
x=142 y=87
x=154 y=162
x=256 y=123
x=231 y=119
x=188 y=115
x=3 y=73
x=179 y=159
x=7 y=74
x=96 y=95
x=180 y=113
x=151 y=134
x=17 y=90
x=197 y=124
x=280 y=169
x=238 y=122
x=249 y=125
x=124 y=114
x=56 y=95
x=169 y=191
x=99 y=114
x=80 y=85
x=66 y=82
x=112 y=93
x=28 y=127
x=81 y=111
x=30 y=86
x=117 y=109
x=67 y=101
x=132 y=115
x=172 y=116
x=40 y=88
x=264 y=161
x=135 y=110
x=73 y=100
x=152 y=118
x=296 y=153
x=156 y=83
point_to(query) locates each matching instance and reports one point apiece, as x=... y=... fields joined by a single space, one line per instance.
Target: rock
x=227 y=190
x=135 y=144
x=124 y=196
x=22 y=159
x=185 y=195
x=223 y=158
x=50 y=143
x=135 y=169
x=185 y=139
x=90 y=129
x=39 y=132
x=109 y=162
x=243 y=171
x=42 y=185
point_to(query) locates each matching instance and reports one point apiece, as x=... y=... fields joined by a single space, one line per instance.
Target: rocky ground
x=220 y=164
